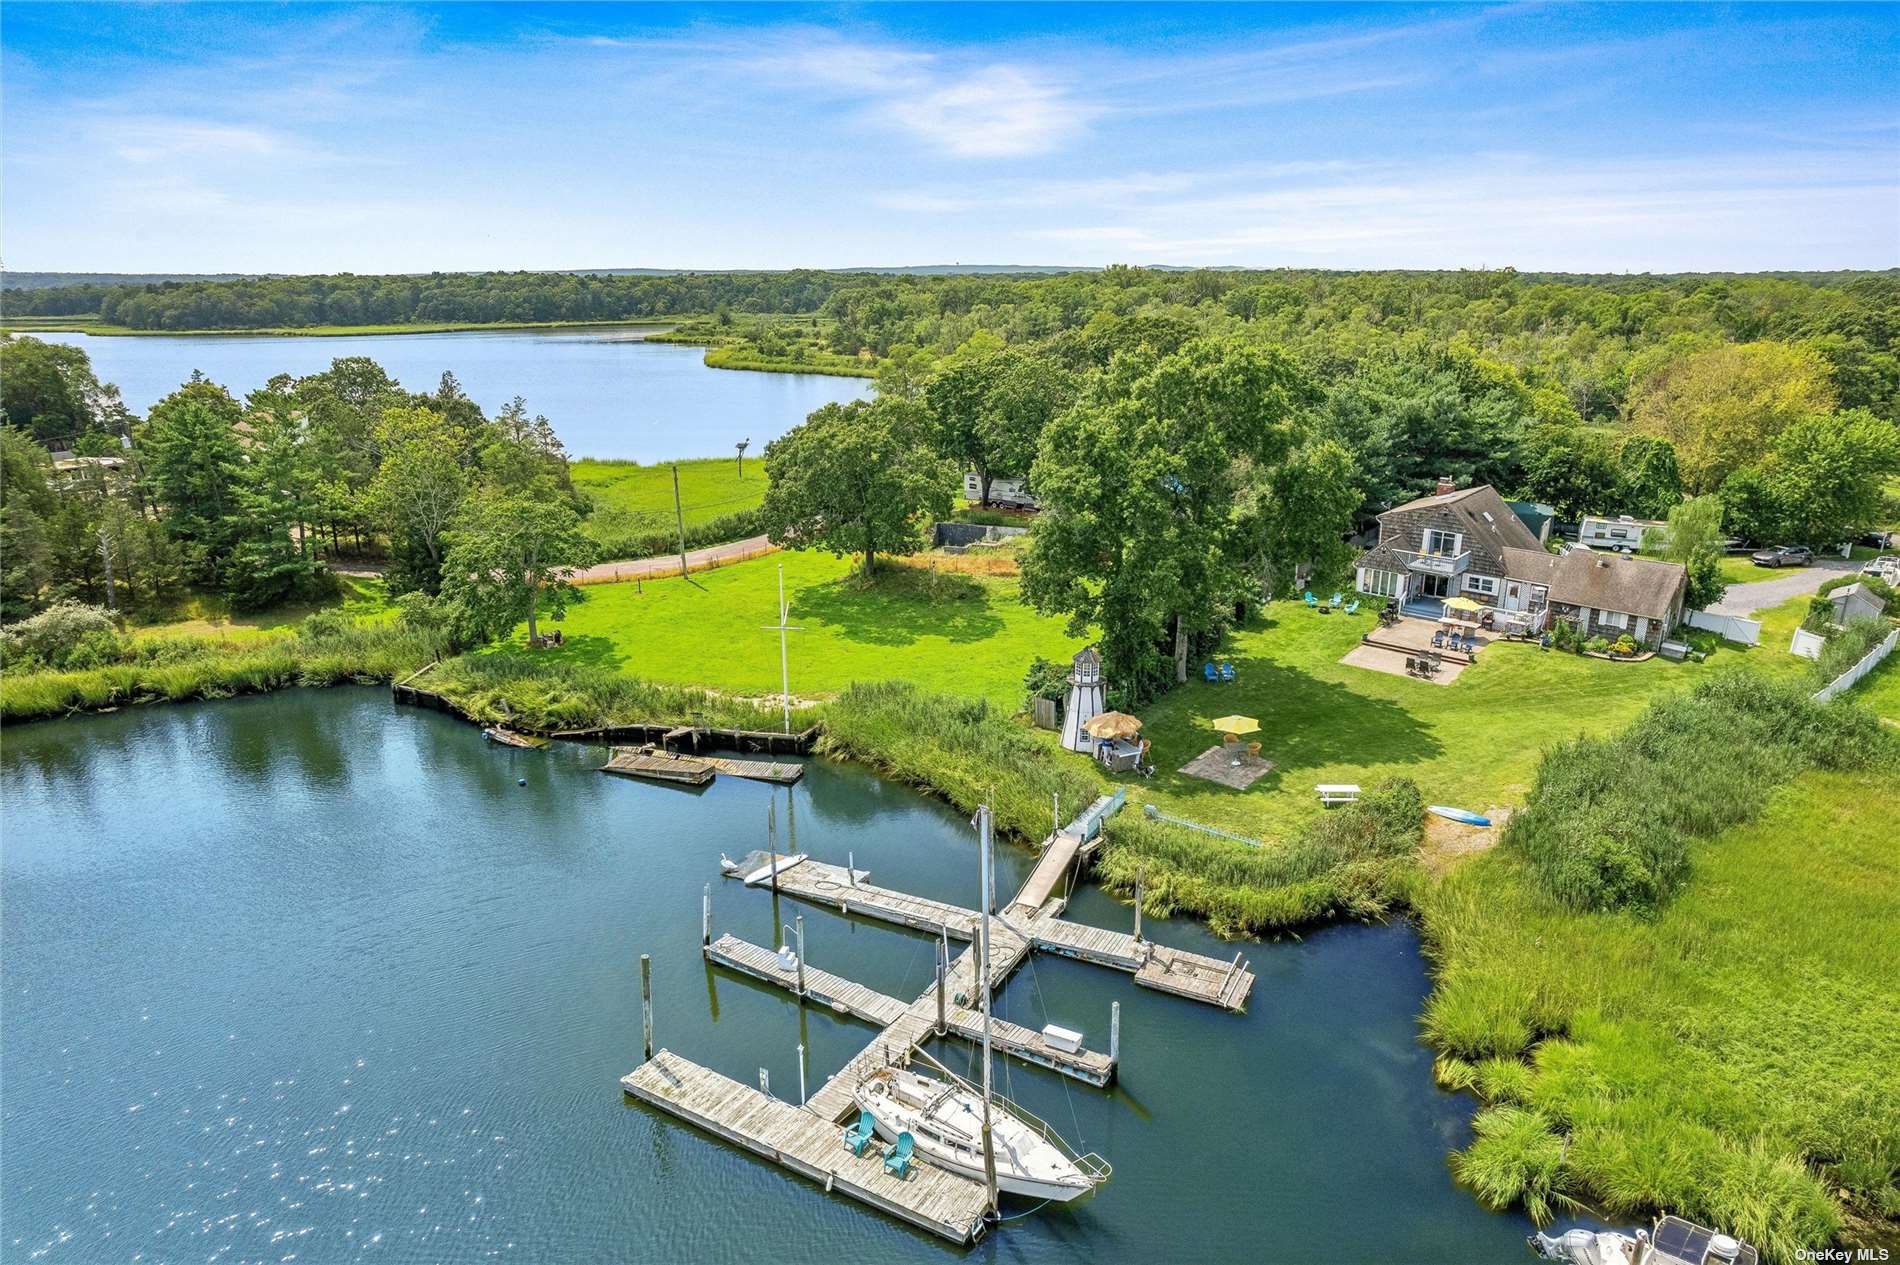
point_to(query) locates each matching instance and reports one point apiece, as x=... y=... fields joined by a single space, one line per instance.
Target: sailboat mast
x=983 y=966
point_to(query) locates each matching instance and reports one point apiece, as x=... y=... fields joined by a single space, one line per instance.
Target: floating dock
x=659 y=767
x=808 y=1138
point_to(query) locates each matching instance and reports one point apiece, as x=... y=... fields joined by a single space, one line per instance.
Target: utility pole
x=784 y=664
x=742 y=445
x=679 y=516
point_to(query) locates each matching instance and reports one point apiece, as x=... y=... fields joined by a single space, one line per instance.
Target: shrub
x=1045 y=679
x=1515 y=1155
x=52 y=635
x=1850 y=645
x=1597 y=645
x=1625 y=645
x=1603 y=827
x=628 y=535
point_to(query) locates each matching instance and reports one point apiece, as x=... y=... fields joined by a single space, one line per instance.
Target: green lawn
x=199 y=615
x=709 y=487
x=1473 y=743
x=963 y=634
x=1879 y=690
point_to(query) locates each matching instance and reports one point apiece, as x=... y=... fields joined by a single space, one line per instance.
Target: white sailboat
x=954 y=1127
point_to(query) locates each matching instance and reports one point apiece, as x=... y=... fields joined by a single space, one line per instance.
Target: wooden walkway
x=783 y=772
x=1057 y=857
x=850 y=998
x=930 y=1198
x=833 y=885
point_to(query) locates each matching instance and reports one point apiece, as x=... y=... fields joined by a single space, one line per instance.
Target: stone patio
x=1378 y=659
x=1216 y=764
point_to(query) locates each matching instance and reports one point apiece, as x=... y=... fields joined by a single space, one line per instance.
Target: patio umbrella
x=1463 y=604
x=1112 y=725
x=1237 y=725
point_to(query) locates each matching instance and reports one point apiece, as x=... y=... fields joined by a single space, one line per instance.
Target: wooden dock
x=850 y=998
x=808 y=1138
x=782 y=772
x=659 y=767
x=930 y=1198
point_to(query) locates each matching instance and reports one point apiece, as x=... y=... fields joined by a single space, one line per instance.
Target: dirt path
x=669 y=564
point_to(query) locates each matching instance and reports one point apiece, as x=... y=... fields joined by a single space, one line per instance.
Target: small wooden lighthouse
x=1085 y=700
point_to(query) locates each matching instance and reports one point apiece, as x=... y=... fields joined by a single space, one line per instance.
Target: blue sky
x=310 y=138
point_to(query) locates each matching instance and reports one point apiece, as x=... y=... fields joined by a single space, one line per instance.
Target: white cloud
x=997 y=112
x=172 y=140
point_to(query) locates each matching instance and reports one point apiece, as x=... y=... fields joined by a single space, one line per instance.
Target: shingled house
x=1468 y=543
x=1449 y=544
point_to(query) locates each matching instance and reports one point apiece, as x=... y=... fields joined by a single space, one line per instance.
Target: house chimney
x=1446 y=485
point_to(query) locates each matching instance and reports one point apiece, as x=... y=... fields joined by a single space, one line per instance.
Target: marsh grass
x=548 y=696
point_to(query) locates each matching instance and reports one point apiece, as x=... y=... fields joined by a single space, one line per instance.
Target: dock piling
x=1137 y=902
x=705 y=916
x=801 y=1073
x=1115 y=1032
x=765 y=1081
x=943 y=957
x=646 y=1005
x=798 y=932
x=851 y=867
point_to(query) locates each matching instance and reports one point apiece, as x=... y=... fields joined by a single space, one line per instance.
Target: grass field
x=1879 y=691
x=1473 y=743
x=957 y=633
x=709 y=487
x=365 y=597
x=1701 y=1060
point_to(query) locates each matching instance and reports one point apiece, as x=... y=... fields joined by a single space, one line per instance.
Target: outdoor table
x=1120 y=756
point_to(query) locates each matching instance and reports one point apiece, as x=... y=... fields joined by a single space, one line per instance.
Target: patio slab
x=1378 y=659
x=1216 y=764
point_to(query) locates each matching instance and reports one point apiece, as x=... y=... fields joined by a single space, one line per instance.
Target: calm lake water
x=310 y=977
x=608 y=392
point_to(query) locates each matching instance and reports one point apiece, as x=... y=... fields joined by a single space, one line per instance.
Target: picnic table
x=1119 y=755
x=1338 y=792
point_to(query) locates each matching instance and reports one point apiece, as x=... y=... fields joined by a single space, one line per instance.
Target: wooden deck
x=929 y=1198
x=832 y=885
x=1057 y=856
x=783 y=772
x=659 y=767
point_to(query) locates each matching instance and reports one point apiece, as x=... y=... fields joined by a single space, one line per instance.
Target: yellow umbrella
x=1111 y=725
x=1463 y=604
x=1237 y=725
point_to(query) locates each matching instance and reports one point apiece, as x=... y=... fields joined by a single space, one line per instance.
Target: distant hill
x=11 y=280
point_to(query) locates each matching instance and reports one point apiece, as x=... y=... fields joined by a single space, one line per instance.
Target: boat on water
x=945 y=1121
x=1675 y=1241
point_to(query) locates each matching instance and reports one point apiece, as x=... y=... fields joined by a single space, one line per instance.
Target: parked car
x=1873 y=540
x=1784 y=556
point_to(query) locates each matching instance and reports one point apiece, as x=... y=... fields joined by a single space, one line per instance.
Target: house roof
x=1607 y=581
x=1485 y=515
x=1533 y=514
x=1847 y=592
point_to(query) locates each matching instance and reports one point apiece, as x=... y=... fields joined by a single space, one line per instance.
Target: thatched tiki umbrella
x=1112 y=725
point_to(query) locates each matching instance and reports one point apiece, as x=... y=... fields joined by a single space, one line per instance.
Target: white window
x=1613 y=619
x=1437 y=541
x=1484 y=584
x=1378 y=583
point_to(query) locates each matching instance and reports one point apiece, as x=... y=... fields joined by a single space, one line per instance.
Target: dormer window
x=1441 y=542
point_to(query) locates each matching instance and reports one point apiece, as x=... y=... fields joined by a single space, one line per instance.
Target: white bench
x=1337 y=793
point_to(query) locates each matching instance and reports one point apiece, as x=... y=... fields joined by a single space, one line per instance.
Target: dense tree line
x=252 y=499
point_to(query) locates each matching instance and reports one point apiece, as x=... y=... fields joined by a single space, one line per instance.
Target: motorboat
x=945 y=1121
x=1675 y=1241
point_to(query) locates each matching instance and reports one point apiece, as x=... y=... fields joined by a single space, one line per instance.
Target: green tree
x=1751 y=511
x=856 y=478
x=1571 y=468
x=49 y=390
x=507 y=556
x=988 y=408
x=416 y=492
x=1827 y=473
x=1723 y=407
x=194 y=462
x=1139 y=536
x=1649 y=483
x=26 y=502
x=272 y=560
x=1695 y=539
x=1307 y=513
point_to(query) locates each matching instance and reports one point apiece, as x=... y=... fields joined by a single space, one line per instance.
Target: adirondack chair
x=1352 y=607
x=897 y=1160
x=859 y=1135
x=1310 y=599
x=1208 y=673
x=1438 y=639
x=1338 y=598
x=1227 y=672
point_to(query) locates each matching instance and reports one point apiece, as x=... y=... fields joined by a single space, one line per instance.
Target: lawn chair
x=1352 y=607
x=1438 y=639
x=1208 y=673
x=1338 y=598
x=1471 y=643
x=859 y=1135
x=897 y=1160
x=1227 y=673
x=1311 y=600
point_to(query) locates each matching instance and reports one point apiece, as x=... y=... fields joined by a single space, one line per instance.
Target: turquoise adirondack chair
x=1338 y=598
x=1352 y=607
x=898 y=1160
x=1310 y=599
x=859 y=1135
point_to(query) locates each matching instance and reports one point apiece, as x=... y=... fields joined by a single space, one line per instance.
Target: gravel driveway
x=1745 y=599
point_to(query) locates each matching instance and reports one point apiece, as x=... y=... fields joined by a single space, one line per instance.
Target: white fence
x=1732 y=627
x=1806 y=644
x=1868 y=663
